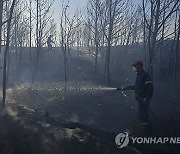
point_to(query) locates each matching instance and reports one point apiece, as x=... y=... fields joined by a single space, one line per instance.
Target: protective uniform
x=143 y=90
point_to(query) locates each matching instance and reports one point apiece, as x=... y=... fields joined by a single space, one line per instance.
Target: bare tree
x=94 y=10
x=6 y=52
x=78 y=32
x=1 y=19
x=42 y=17
x=176 y=49
x=68 y=27
x=19 y=33
x=113 y=17
x=30 y=30
x=156 y=15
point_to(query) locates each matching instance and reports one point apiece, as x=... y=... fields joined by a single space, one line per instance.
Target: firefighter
x=143 y=93
x=49 y=41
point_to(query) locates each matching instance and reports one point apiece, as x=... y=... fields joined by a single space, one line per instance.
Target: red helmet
x=138 y=62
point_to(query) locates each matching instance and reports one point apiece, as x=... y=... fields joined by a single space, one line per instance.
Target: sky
x=73 y=4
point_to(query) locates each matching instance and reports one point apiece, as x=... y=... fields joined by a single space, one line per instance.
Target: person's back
x=143 y=85
x=49 y=42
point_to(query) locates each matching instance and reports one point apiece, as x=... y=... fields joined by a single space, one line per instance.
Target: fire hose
x=154 y=116
x=151 y=111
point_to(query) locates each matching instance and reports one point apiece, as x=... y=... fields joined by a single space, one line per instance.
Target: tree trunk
x=154 y=37
x=108 y=63
x=6 y=53
x=1 y=11
x=30 y=35
x=109 y=44
x=96 y=38
x=176 y=62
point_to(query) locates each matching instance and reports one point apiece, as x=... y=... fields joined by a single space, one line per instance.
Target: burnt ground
x=45 y=118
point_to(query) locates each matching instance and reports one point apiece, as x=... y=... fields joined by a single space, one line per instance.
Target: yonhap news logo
x=123 y=139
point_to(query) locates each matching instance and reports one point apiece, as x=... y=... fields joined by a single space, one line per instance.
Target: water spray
x=72 y=88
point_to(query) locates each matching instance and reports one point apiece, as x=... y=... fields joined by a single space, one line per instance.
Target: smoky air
x=88 y=76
